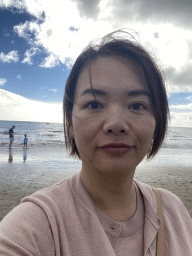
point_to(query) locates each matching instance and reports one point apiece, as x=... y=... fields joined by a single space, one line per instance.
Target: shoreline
x=46 y=166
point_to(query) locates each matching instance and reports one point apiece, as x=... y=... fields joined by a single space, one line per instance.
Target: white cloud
x=17 y=108
x=146 y=11
x=179 y=88
x=13 y=3
x=179 y=80
x=181 y=115
x=19 y=77
x=164 y=28
x=33 y=7
x=189 y=98
x=181 y=119
x=2 y=81
x=50 y=61
x=53 y=90
x=29 y=54
x=62 y=32
x=88 y=9
x=66 y=29
x=10 y=57
x=182 y=107
x=27 y=29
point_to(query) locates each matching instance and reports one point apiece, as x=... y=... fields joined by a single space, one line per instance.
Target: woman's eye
x=137 y=106
x=94 y=105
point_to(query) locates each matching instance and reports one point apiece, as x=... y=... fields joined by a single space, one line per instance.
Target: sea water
x=38 y=133
x=176 y=148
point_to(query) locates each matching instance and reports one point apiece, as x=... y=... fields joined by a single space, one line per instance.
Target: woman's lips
x=116 y=148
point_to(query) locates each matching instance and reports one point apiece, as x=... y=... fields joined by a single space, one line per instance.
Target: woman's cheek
x=146 y=128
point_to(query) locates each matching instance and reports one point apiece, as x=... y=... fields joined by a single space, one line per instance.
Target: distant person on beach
x=11 y=136
x=115 y=114
x=25 y=141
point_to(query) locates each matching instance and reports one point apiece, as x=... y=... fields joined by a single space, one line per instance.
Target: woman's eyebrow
x=138 y=92
x=93 y=91
x=101 y=92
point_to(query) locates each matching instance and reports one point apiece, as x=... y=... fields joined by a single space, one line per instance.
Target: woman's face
x=113 y=131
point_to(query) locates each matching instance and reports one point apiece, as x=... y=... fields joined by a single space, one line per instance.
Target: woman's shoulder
x=24 y=226
x=147 y=190
x=35 y=208
x=36 y=218
x=53 y=195
x=172 y=204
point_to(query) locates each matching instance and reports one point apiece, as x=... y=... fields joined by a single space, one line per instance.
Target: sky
x=41 y=39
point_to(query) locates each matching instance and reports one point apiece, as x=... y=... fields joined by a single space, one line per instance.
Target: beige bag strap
x=161 y=231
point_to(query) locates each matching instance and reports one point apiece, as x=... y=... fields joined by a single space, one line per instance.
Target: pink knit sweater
x=62 y=220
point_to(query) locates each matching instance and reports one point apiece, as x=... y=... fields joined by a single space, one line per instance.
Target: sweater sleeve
x=178 y=225
x=25 y=231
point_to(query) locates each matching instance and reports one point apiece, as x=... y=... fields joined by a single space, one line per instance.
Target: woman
x=115 y=114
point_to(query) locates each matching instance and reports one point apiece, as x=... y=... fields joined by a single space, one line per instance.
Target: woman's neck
x=114 y=196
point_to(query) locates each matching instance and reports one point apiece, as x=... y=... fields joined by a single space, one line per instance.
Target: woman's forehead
x=109 y=72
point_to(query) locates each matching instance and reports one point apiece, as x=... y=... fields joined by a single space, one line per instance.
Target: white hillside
x=17 y=108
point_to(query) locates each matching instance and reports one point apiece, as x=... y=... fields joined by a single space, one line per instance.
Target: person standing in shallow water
x=11 y=136
x=115 y=114
x=25 y=141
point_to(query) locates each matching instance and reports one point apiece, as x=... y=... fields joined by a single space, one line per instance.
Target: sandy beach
x=24 y=172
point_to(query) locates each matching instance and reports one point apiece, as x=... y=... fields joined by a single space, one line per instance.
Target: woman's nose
x=115 y=123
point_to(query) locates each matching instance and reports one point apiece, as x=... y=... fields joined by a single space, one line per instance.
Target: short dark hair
x=113 y=45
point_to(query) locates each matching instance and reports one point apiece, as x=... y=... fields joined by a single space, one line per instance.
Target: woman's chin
x=116 y=169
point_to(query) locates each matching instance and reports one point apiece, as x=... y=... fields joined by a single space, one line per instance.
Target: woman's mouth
x=116 y=148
